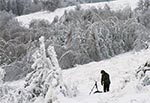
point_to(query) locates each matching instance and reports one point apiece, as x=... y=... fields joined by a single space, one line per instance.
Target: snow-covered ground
x=114 y=5
x=125 y=88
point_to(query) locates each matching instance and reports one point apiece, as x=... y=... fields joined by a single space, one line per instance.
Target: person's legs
x=108 y=85
x=105 y=88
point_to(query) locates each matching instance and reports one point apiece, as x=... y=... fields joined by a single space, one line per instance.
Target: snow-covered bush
x=143 y=74
x=10 y=94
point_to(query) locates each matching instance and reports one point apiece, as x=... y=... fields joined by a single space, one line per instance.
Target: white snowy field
x=125 y=88
x=46 y=15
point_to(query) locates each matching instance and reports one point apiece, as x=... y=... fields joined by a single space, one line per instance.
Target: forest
x=21 y=7
x=78 y=37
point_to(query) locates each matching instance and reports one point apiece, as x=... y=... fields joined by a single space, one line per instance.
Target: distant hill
x=114 y=5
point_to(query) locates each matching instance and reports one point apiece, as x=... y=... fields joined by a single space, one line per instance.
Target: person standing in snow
x=105 y=81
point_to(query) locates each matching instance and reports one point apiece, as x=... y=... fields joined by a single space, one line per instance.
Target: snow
x=114 y=5
x=125 y=88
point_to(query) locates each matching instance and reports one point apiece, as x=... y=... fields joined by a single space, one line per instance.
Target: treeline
x=20 y=7
x=79 y=37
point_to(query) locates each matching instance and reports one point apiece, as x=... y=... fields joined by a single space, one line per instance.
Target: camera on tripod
x=95 y=86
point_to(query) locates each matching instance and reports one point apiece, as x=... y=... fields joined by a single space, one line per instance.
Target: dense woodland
x=79 y=37
x=20 y=7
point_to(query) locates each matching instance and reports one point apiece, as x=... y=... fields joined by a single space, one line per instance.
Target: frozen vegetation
x=46 y=15
x=55 y=56
x=127 y=85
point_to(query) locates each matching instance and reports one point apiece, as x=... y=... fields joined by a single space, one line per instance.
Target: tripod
x=95 y=86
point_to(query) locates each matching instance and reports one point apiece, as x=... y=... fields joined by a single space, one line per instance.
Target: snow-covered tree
x=3 y=5
x=51 y=5
x=46 y=79
x=31 y=6
x=143 y=6
x=2 y=75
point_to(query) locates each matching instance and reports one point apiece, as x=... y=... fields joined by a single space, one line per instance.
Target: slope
x=114 y=5
x=125 y=88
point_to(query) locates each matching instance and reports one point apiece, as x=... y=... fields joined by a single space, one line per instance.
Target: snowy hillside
x=114 y=5
x=125 y=88
x=42 y=62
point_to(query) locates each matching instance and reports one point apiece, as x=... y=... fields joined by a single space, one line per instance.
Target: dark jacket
x=105 y=79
